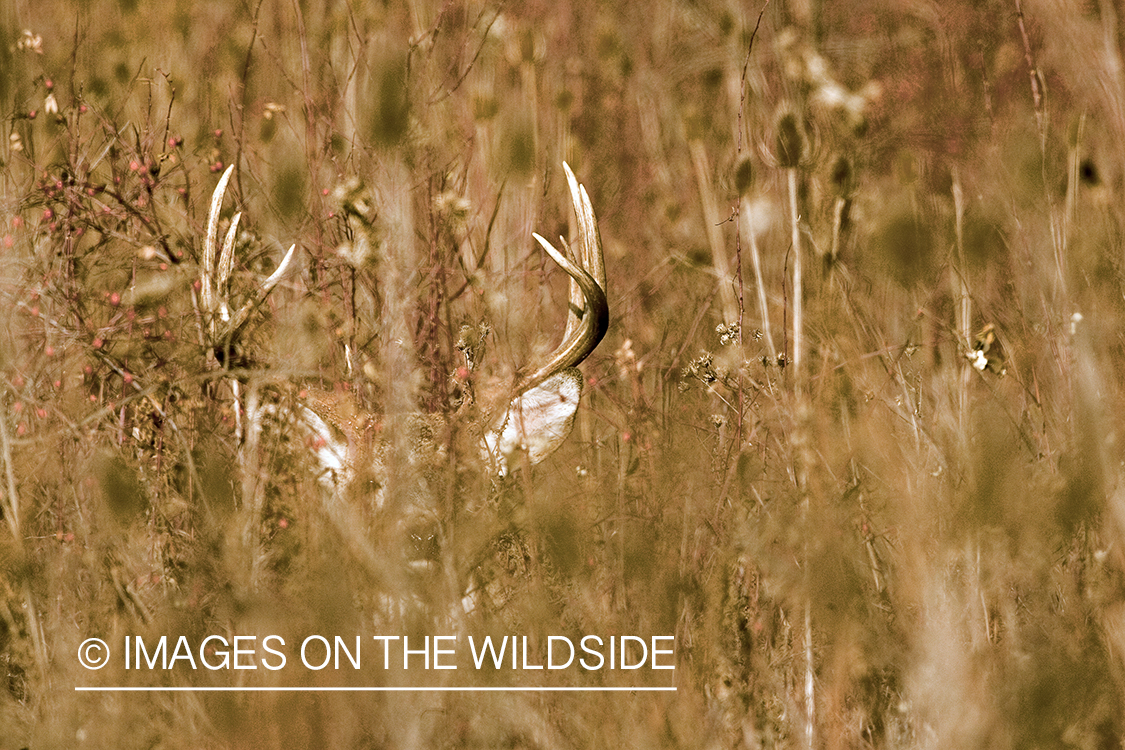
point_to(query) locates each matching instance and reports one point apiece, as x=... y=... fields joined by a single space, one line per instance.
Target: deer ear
x=330 y=445
x=537 y=421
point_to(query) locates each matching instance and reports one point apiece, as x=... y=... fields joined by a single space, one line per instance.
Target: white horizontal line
x=121 y=689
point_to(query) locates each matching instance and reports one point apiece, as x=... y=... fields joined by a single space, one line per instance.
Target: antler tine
x=589 y=248
x=590 y=239
x=588 y=303
x=595 y=261
x=577 y=302
x=210 y=240
x=226 y=265
x=260 y=295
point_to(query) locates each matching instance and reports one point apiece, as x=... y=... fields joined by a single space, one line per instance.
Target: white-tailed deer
x=540 y=412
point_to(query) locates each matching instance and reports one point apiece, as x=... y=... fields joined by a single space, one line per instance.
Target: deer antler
x=588 y=318
x=223 y=327
x=541 y=415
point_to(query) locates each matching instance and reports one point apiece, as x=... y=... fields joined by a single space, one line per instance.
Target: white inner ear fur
x=536 y=422
x=331 y=451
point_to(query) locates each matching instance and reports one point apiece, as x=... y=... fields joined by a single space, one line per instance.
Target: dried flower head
x=843 y=177
x=626 y=360
x=790 y=141
x=744 y=177
x=29 y=42
x=728 y=333
x=987 y=353
x=271 y=109
x=702 y=368
x=357 y=204
x=471 y=341
x=453 y=208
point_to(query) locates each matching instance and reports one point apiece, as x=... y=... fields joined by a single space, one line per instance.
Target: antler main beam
x=588 y=319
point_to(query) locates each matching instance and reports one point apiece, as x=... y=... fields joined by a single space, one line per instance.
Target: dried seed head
x=702 y=368
x=389 y=117
x=842 y=176
x=728 y=334
x=471 y=342
x=790 y=143
x=30 y=42
x=744 y=177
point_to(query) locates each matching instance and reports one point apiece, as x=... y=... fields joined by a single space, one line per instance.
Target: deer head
x=540 y=412
x=540 y=417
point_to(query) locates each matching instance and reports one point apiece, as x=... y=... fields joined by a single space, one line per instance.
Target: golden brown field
x=854 y=437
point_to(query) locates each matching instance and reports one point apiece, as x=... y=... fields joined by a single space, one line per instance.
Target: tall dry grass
x=888 y=548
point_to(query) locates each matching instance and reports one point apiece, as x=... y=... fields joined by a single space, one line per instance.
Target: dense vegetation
x=853 y=438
